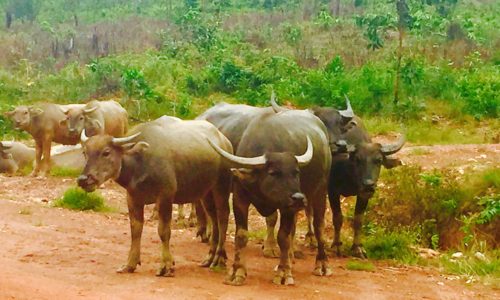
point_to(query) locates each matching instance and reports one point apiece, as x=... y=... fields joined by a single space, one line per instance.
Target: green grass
x=257 y=235
x=473 y=268
x=77 y=199
x=358 y=265
x=64 y=172
x=396 y=245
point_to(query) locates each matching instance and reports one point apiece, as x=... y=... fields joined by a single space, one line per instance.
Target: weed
x=64 y=172
x=77 y=199
x=358 y=265
x=396 y=245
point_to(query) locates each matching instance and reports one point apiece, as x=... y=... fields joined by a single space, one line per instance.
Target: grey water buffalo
x=166 y=161
x=43 y=122
x=98 y=117
x=14 y=156
x=355 y=167
x=282 y=163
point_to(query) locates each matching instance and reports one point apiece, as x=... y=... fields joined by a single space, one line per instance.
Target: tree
x=404 y=22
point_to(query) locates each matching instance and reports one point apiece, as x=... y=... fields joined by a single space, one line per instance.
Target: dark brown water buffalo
x=98 y=117
x=14 y=156
x=43 y=122
x=164 y=162
x=355 y=168
x=282 y=163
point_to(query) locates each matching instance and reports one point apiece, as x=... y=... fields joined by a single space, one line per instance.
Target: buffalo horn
x=275 y=105
x=305 y=158
x=89 y=110
x=83 y=136
x=347 y=113
x=389 y=149
x=244 y=162
x=124 y=140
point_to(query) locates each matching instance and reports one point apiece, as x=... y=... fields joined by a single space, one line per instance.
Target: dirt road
x=51 y=253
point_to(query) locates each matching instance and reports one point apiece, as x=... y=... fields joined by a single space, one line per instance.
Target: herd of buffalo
x=274 y=158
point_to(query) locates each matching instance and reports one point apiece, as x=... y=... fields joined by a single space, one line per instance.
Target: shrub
x=77 y=199
x=397 y=245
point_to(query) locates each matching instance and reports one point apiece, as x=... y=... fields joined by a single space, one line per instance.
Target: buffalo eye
x=25 y=112
x=106 y=153
x=274 y=172
x=81 y=118
x=378 y=161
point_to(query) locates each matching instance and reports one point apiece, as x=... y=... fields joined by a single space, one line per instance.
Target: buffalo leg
x=359 y=211
x=221 y=198
x=238 y=272
x=164 y=231
x=38 y=159
x=322 y=268
x=310 y=240
x=284 y=271
x=337 y=220
x=181 y=216
x=209 y=204
x=136 y=216
x=201 y=216
x=270 y=248
x=45 y=166
x=192 y=216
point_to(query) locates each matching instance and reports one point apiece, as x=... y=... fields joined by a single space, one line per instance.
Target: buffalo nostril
x=81 y=179
x=298 y=197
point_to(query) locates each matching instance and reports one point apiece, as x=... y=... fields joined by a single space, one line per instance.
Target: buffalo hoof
x=283 y=277
x=310 y=241
x=236 y=276
x=358 y=251
x=165 y=272
x=337 y=249
x=322 y=268
x=125 y=269
x=270 y=250
x=218 y=263
x=202 y=233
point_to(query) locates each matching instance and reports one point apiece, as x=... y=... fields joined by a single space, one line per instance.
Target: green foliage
x=64 y=172
x=470 y=265
x=357 y=265
x=77 y=199
x=375 y=25
x=397 y=245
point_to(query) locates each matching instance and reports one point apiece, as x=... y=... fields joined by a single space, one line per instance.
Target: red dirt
x=52 y=253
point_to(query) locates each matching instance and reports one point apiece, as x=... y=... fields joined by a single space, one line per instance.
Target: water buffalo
x=355 y=167
x=43 y=122
x=272 y=176
x=14 y=156
x=164 y=162
x=356 y=174
x=98 y=117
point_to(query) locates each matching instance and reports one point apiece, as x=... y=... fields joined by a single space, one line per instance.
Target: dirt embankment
x=52 y=253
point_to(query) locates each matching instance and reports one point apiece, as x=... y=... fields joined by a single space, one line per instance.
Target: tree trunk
x=398 y=66
x=336 y=8
x=75 y=19
x=8 y=19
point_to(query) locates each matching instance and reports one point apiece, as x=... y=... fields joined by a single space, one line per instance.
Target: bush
x=397 y=245
x=77 y=199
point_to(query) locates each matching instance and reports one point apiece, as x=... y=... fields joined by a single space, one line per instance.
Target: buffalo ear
x=244 y=174
x=35 y=111
x=63 y=122
x=8 y=113
x=6 y=155
x=135 y=148
x=390 y=162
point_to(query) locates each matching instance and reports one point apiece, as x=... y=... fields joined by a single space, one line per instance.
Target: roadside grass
x=64 y=172
x=359 y=265
x=392 y=245
x=424 y=132
x=258 y=235
x=76 y=198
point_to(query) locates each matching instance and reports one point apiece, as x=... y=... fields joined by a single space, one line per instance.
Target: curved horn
x=275 y=105
x=6 y=145
x=245 y=162
x=124 y=140
x=347 y=113
x=305 y=158
x=389 y=149
x=89 y=110
x=83 y=136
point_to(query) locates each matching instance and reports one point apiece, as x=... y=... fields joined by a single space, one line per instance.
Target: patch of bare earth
x=53 y=253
